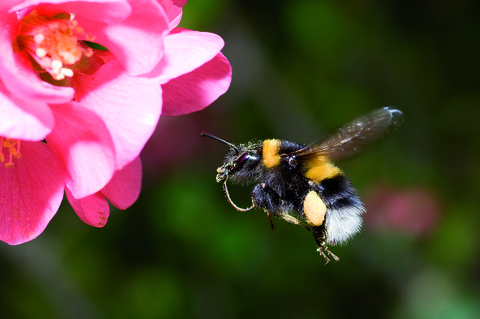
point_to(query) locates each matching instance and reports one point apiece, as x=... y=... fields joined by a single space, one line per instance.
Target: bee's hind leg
x=324 y=251
x=319 y=236
x=292 y=220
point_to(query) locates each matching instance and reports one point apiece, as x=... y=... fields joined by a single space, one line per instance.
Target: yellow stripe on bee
x=314 y=209
x=271 y=156
x=320 y=168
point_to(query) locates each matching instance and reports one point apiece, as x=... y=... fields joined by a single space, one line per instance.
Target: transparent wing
x=351 y=137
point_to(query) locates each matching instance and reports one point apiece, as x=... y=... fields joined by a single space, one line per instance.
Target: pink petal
x=173 y=9
x=129 y=106
x=198 y=89
x=5 y=5
x=92 y=210
x=16 y=71
x=109 y=11
x=185 y=51
x=124 y=188
x=137 y=41
x=25 y=120
x=30 y=193
x=83 y=143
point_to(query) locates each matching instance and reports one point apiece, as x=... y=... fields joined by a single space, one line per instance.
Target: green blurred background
x=301 y=68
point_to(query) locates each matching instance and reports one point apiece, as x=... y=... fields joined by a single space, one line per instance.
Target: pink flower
x=95 y=109
x=415 y=211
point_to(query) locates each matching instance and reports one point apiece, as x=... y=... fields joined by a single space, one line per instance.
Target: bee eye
x=243 y=158
x=246 y=158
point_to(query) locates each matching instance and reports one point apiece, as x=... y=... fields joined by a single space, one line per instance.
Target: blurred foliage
x=300 y=69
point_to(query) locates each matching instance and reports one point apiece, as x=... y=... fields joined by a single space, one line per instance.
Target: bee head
x=240 y=163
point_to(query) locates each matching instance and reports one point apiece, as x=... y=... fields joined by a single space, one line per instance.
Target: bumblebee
x=300 y=184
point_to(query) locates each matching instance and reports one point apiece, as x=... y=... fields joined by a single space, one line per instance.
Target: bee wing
x=349 y=138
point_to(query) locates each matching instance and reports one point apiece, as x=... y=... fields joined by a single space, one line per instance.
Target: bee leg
x=225 y=190
x=324 y=251
x=269 y=214
x=320 y=236
x=292 y=220
x=265 y=197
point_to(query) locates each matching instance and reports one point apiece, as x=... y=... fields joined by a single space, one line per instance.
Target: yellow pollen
x=12 y=149
x=53 y=43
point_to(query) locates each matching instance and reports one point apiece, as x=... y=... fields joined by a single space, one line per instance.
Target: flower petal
x=108 y=11
x=5 y=5
x=129 y=106
x=92 y=210
x=17 y=73
x=173 y=9
x=137 y=41
x=30 y=193
x=124 y=188
x=25 y=120
x=83 y=143
x=198 y=89
x=187 y=50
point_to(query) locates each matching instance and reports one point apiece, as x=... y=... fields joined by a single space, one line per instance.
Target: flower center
x=9 y=150
x=52 y=43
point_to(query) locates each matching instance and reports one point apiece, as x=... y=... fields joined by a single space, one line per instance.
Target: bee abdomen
x=344 y=209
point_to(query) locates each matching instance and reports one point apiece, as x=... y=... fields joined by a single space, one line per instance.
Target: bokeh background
x=301 y=68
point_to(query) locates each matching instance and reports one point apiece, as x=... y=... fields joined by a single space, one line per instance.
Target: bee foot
x=324 y=251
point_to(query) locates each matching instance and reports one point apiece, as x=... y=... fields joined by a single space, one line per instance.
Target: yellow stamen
x=12 y=149
x=53 y=43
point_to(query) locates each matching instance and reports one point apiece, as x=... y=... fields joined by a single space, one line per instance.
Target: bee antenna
x=218 y=139
x=231 y=202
